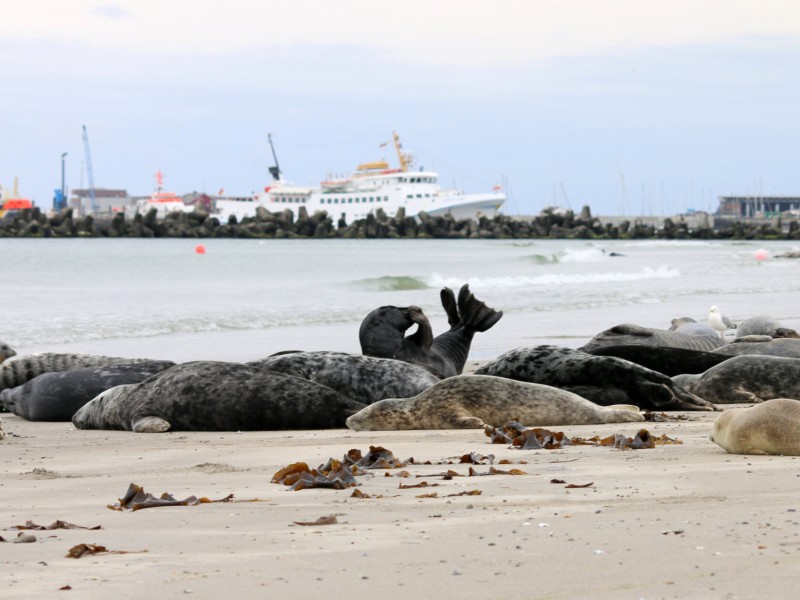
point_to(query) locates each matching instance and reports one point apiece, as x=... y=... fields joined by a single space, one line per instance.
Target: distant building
x=757 y=207
x=107 y=201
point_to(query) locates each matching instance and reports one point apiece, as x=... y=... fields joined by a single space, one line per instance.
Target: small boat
x=374 y=185
x=164 y=202
x=14 y=203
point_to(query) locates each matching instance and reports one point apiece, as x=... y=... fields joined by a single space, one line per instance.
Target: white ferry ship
x=374 y=185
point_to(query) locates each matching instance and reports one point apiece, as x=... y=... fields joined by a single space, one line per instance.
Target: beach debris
x=333 y=475
x=22 y=538
x=136 y=499
x=578 y=485
x=662 y=417
x=53 y=525
x=477 y=459
x=327 y=520
x=537 y=438
x=493 y=471
x=378 y=457
x=92 y=549
x=421 y=484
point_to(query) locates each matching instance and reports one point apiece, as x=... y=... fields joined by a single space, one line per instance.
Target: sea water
x=245 y=299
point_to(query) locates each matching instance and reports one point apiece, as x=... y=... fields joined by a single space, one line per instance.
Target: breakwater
x=265 y=224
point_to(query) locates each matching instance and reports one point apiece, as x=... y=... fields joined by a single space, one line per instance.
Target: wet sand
x=676 y=521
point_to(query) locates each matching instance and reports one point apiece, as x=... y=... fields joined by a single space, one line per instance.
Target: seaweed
x=53 y=525
x=92 y=549
x=136 y=499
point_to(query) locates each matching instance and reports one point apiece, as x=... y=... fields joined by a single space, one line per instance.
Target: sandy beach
x=675 y=521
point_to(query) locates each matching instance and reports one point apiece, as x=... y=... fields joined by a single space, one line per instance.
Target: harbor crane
x=89 y=174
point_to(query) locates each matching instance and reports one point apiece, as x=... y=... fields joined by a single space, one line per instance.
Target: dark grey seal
x=664 y=359
x=362 y=378
x=56 y=396
x=765 y=326
x=746 y=378
x=217 y=396
x=382 y=332
x=6 y=351
x=762 y=344
x=605 y=380
x=16 y=371
x=473 y=401
x=635 y=335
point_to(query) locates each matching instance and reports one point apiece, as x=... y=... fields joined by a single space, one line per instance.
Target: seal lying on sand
x=746 y=378
x=2 y=431
x=772 y=427
x=217 y=396
x=362 y=378
x=602 y=379
x=664 y=359
x=635 y=335
x=18 y=370
x=688 y=326
x=382 y=332
x=762 y=344
x=6 y=351
x=56 y=396
x=472 y=401
x=765 y=326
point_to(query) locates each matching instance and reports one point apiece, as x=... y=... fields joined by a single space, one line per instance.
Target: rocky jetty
x=265 y=224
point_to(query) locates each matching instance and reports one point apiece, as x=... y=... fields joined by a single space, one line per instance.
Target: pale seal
x=635 y=335
x=16 y=371
x=602 y=379
x=2 y=431
x=763 y=325
x=772 y=427
x=6 y=351
x=746 y=378
x=472 y=401
x=382 y=332
x=664 y=359
x=362 y=378
x=688 y=326
x=217 y=396
x=762 y=344
x=56 y=396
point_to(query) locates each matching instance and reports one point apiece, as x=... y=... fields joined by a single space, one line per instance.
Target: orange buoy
x=761 y=254
x=200 y=249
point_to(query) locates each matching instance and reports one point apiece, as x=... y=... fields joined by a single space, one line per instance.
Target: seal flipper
x=450 y=307
x=150 y=425
x=475 y=316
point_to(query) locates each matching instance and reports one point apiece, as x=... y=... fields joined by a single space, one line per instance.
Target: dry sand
x=679 y=521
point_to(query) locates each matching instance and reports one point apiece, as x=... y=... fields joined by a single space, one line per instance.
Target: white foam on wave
x=554 y=279
x=583 y=255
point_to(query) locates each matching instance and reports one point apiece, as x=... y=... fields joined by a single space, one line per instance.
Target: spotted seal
x=635 y=335
x=772 y=427
x=363 y=378
x=6 y=351
x=762 y=344
x=664 y=359
x=763 y=325
x=382 y=332
x=602 y=379
x=56 y=396
x=216 y=396
x=16 y=371
x=472 y=401
x=746 y=378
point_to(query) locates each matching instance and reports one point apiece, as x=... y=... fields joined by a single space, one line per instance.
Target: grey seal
x=6 y=351
x=382 y=332
x=635 y=335
x=216 y=396
x=664 y=359
x=472 y=401
x=772 y=427
x=56 y=396
x=602 y=379
x=746 y=378
x=18 y=370
x=362 y=378
x=762 y=344
x=763 y=325
x=2 y=431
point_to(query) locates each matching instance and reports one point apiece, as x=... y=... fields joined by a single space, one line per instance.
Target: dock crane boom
x=89 y=174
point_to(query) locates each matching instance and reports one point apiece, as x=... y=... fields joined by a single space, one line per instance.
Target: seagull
x=719 y=322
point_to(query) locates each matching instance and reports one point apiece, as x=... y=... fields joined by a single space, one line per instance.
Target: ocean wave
x=391 y=284
x=583 y=255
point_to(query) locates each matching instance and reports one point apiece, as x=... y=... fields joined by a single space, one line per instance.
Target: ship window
x=386 y=198
x=419 y=195
x=350 y=200
x=336 y=201
x=371 y=199
x=410 y=196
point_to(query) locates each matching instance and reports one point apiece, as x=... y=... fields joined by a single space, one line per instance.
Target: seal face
x=6 y=351
x=605 y=380
x=763 y=325
x=772 y=427
x=472 y=401
x=635 y=335
x=56 y=396
x=746 y=378
x=216 y=396
x=18 y=370
x=362 y=378
x=382 y=332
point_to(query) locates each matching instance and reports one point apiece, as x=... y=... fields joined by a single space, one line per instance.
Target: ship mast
x=275 y=171
x=403 y=158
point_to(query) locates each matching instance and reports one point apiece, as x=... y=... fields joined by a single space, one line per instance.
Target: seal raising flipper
x=382 y=331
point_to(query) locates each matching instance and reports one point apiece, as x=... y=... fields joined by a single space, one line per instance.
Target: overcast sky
x=630 y=106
